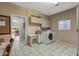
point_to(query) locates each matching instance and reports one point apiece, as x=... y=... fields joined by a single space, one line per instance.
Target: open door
x=19 y=28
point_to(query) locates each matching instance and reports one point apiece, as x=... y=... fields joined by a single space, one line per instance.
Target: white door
x=22 y=26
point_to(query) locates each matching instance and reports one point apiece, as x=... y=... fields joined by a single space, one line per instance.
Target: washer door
x=50 y=36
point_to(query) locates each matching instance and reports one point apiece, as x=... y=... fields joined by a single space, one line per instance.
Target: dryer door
x=50 y=36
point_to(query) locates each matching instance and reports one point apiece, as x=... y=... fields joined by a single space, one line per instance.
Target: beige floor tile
x=57 y=48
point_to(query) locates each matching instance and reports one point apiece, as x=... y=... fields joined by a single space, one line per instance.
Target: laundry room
x=43 y=28
x=58 y=32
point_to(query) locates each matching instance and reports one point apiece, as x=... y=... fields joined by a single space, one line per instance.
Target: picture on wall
x=2 y=21
x=4 y=24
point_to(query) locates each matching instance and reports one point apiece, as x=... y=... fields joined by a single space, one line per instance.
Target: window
x=64 y=25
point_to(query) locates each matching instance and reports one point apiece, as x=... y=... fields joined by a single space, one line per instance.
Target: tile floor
x=57 y=48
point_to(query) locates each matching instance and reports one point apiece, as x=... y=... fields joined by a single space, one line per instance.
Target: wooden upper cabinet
x=35 y=19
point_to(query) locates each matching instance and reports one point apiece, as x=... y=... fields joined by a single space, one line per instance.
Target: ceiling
x=46 y=7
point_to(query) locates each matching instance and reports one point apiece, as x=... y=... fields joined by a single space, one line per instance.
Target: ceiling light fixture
x=54 y=2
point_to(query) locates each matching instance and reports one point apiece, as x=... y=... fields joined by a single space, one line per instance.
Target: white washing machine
x=47 y=37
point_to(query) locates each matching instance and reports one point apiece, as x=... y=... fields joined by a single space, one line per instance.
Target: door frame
x=77 y=21
x=26 y=25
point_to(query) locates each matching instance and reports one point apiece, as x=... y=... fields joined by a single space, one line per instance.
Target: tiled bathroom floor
x=57 y=48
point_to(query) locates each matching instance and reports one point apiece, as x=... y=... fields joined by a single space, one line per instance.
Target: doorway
x=19 y=29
